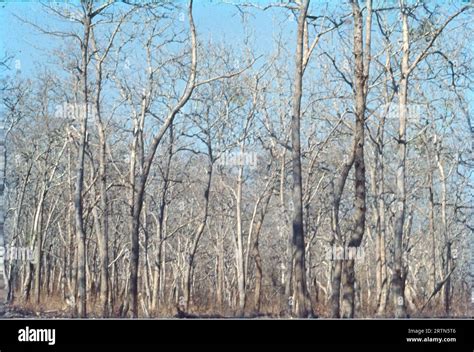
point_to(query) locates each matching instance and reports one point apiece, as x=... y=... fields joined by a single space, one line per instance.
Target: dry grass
x=54 y=306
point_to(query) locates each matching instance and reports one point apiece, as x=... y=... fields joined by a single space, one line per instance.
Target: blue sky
x=214 y=19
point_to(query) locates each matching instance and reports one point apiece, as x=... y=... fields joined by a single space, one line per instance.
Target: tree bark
x=299 y=277
x=398 y=276
x=361 y=78
x=3 y=279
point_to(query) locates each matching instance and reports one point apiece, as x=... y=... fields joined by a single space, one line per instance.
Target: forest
x=237 y=158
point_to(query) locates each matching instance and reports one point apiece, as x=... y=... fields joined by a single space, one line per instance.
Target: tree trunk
x=139 y=192
x=38 y=236
x=398 y=276
x=298 y=247
x=256 y=251
x=239 y=254
x=3 y=279
x=444 y=232
x=78 y=197
x=103 y=234
x=361 y=78
x=196 y=238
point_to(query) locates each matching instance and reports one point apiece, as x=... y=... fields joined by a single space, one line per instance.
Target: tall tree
x=3 y=278
x=406 y=69
x=141 y=183
x=299 y=279
x=361 y=78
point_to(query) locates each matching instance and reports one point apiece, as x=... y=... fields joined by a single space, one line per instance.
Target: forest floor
x=21 y=312
x=12 y=312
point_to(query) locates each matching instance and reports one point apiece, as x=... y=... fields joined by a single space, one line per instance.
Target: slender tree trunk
x=239 y=255
x=3 y=280
x=139 y=192
x=256 y=251
x=159 y=266
x=299 y=279
x=103 y=234
x=444 y=233
x=13 y=266
x=382 y=278
x=78 y=197
x=432 y=230
x=220 y=269
x=398 y=276
x=336 y=275
x=196 y=238
x=361 y=77
x=38 y=236
x=337 y=242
